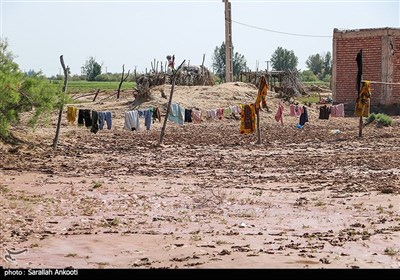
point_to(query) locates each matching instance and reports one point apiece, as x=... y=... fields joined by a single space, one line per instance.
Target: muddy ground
x=208 y=198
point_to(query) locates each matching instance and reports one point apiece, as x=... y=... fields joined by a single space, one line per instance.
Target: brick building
x=381 y=63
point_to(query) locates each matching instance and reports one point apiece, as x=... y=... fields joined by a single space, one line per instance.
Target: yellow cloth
x=262 y=93
x=72 y=113
x=363 y=101
x=248 y=119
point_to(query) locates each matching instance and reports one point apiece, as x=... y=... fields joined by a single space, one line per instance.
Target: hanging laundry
x=298 y=110
x=220 y=113
x=363 y=101
x=95 y=122
x=188 y=115
x=227 y=112
x=177 y=114
x=303 y=116
x=212 y=114
x=235 y=109
x=84 y=117
x=156 y=114
x=132 y=120
x=72 y=113
x=147 y=114
x=262 y=93
x=291 y=110
x=248 y=119
x=105 y=116
x=324 y=112
x=337 y=110
x=196 y=116
x=279 y=113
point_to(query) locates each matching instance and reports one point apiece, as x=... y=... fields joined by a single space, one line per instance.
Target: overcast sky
x=136 y=32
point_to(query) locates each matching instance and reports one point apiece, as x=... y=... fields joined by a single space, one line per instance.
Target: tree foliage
x=239 y=62
x=92 y=69
x=320 y=65
x=21 y=93
x=283 y=59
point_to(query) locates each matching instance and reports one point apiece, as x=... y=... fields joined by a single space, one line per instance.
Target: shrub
x=371 y=118
x=384 y=119
x=381 y=119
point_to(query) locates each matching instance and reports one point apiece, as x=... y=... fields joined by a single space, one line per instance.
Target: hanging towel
x=72 y=113
x=177 y=114
x=196 y=116
x=363 y=101
x=248 y=119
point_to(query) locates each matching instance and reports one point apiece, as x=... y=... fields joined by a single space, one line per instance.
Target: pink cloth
x=279 y=113
x=337 y=110
x=196 y=116
x=291 y=108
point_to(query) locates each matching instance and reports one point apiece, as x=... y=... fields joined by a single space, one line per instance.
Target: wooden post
x=95 y=96
x=64 y=89
x=169 y=103
x=360 y=126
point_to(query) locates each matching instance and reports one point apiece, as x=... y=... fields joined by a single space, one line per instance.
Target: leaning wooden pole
x=64 y=89
x=259 y=141
x=169 y=103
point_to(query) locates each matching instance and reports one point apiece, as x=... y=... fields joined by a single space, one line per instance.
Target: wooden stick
x=258 y=127
x=95 y=96
x=169 y=104
x=360 y=125
x=64 y=89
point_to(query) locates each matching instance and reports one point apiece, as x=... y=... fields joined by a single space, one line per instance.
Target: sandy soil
x=209 y=198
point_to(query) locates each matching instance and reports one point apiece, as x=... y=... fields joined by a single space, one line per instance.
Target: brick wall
x=346 y=67
x=396 y=71
x=375 y=46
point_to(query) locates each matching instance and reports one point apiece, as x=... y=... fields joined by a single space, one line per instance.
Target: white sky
x=136 y=32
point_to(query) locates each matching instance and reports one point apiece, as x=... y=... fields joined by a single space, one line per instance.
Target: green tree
x=328 y=64
x=283 y=59
x=19 y=93
x=239 y=62
x=308 y=76
x=92 y=69
x=320 y=65
x=315 y=63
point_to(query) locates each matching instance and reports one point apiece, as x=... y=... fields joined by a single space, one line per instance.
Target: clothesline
x=384 y=83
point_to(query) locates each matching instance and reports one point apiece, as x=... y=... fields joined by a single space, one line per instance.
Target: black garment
x=84 y=117
x=359 y=72
x=303 y=116
x=324 y=112
x=188 y=115
x=95 y=122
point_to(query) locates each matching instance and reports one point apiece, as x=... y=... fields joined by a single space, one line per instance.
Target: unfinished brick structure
x=381 y=63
